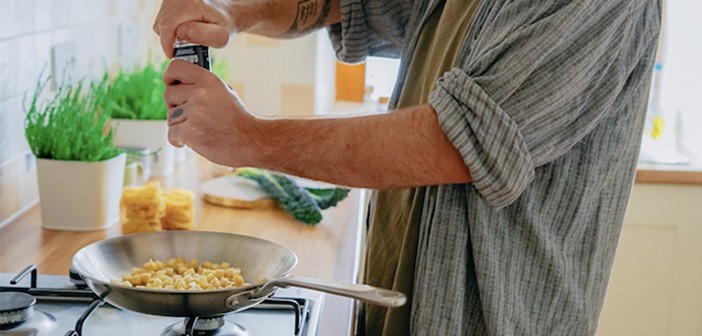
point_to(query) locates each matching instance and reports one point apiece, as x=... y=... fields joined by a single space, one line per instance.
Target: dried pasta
x=179 y=209
x=150 y=208
x=179 y=274
x=141 y=208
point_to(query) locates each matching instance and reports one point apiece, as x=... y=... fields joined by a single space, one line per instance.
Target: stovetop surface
x=108 y=320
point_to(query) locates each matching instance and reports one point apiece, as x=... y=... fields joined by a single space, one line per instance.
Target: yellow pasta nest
x=179 y=274
x=149 y=208
x=179 y=209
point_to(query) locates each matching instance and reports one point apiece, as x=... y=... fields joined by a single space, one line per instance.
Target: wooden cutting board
x=235 y=192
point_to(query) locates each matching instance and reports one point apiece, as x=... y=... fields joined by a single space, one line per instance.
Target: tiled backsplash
x=30 y=29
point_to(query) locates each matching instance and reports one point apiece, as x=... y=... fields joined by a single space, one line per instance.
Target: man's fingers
x=177 y=95
x=176 y=116
x=208 y=34
x=167 y=41
x=176 y=134
x=182 y=72
x=171 y=16
x=165 y=28
x=193 y=21
x=159 y=16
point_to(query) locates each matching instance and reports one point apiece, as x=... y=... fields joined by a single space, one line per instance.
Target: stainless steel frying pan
x=110 y=259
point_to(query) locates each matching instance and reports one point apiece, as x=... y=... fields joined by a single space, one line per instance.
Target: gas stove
x=32 y=304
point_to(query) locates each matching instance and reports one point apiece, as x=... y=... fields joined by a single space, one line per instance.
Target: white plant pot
x=152 y=134
x=80 y=196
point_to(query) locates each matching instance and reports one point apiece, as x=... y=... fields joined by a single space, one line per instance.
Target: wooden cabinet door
x=656 y=284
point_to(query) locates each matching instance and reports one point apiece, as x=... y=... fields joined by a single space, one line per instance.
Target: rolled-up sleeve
x=535 y=81
x=370 y=28
x=490 y=142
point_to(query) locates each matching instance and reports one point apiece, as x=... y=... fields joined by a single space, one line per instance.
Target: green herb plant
x=219 y=67
x=138 y=93
x=71 y=125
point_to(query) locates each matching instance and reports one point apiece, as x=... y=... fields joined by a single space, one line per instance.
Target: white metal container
x=152 y=134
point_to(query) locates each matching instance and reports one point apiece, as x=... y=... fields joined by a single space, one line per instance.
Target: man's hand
x=206 y=115
x=202 y=22
x=212 y=22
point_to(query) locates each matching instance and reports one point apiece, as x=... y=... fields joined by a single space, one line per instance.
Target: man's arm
x=404 y=148
x=212 y=22
x=399 y=149
x=313 y=14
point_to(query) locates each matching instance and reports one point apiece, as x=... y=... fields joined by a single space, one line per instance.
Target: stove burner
x=205 y=326
x=16 y=307
x=17 y=316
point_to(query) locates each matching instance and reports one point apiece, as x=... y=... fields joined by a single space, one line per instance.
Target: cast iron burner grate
x=192 y=326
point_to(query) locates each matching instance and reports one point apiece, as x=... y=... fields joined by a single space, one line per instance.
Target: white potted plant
x=80 y=172
x=139 y=114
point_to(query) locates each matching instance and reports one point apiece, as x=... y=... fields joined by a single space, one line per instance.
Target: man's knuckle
x=200 y=93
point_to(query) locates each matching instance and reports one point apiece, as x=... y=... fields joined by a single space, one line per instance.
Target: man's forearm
x=401 y=149
x=286 y=18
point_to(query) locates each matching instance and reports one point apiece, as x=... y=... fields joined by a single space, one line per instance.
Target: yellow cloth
x=393 y=234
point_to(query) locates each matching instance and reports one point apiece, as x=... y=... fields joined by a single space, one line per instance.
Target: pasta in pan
x=179 y=274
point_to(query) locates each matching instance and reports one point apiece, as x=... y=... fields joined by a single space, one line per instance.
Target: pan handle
x=370 y=294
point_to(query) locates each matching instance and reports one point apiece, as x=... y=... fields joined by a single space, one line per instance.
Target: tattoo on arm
x=309 y=16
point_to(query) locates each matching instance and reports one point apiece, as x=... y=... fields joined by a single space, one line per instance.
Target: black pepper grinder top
x=193 y=53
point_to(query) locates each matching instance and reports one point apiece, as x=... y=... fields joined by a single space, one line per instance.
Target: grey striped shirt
x=546 y=104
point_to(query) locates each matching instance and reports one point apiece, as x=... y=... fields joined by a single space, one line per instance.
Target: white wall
x=682 y=70
x=30 y=29
x=325 y=75
x=279 y=77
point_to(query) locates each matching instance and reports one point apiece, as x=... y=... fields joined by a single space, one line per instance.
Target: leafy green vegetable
x=327 y=197
x=305 y=204
x=71 y=125
x=138 y=93
x=288 y=194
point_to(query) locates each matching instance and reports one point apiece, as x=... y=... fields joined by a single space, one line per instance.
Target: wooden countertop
x=668 y=174
x=329 y=250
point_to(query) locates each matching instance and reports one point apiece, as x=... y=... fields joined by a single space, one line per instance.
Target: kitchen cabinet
x=656 y=283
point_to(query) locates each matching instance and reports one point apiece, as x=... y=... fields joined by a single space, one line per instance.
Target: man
x=503 y=169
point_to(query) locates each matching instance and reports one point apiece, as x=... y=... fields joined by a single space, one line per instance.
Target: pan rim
x=241 y=289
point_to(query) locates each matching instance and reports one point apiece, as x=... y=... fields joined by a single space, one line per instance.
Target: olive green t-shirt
x=393 y=234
